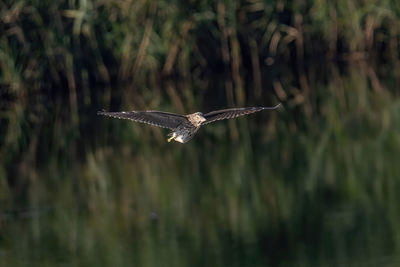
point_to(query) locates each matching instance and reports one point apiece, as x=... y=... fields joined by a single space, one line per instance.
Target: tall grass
x=63 y=59
x=312 y=184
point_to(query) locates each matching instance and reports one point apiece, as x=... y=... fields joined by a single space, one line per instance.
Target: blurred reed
x=314 y=184
x=311 y=190
x=89 y=55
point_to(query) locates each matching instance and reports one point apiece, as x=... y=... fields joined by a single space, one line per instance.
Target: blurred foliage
x=314 y=184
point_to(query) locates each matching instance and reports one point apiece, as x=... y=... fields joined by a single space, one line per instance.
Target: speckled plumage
x=183 y=127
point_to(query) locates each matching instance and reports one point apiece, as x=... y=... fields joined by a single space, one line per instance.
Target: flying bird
x=183 y=127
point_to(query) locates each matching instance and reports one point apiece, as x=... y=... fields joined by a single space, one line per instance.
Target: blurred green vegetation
x=313 y=184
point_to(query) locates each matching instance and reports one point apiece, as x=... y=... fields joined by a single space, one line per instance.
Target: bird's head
x=197 y=118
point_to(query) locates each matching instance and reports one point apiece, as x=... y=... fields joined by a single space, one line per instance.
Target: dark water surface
x=279 y=188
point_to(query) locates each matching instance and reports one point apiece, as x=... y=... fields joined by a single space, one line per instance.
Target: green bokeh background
x=314 y=183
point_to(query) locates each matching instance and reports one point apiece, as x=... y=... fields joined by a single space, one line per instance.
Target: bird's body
x=183 y=133
x=183 y=127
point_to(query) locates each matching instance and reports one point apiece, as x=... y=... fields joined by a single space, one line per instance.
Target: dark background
x=314 y=183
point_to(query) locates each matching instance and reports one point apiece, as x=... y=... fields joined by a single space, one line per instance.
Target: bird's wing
x=156 y=118
x=232 y=113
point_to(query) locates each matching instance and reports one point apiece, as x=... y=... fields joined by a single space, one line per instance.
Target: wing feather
x=232 y=113
x=152 y=117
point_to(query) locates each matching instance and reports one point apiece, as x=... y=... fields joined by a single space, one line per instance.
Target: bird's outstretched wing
x=156 y=118
x=232 y=113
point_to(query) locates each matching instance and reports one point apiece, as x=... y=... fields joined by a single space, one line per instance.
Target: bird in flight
x=183 y=127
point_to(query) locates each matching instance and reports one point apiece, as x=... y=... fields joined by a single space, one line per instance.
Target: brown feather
x=232 y=113
x=156 y=118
